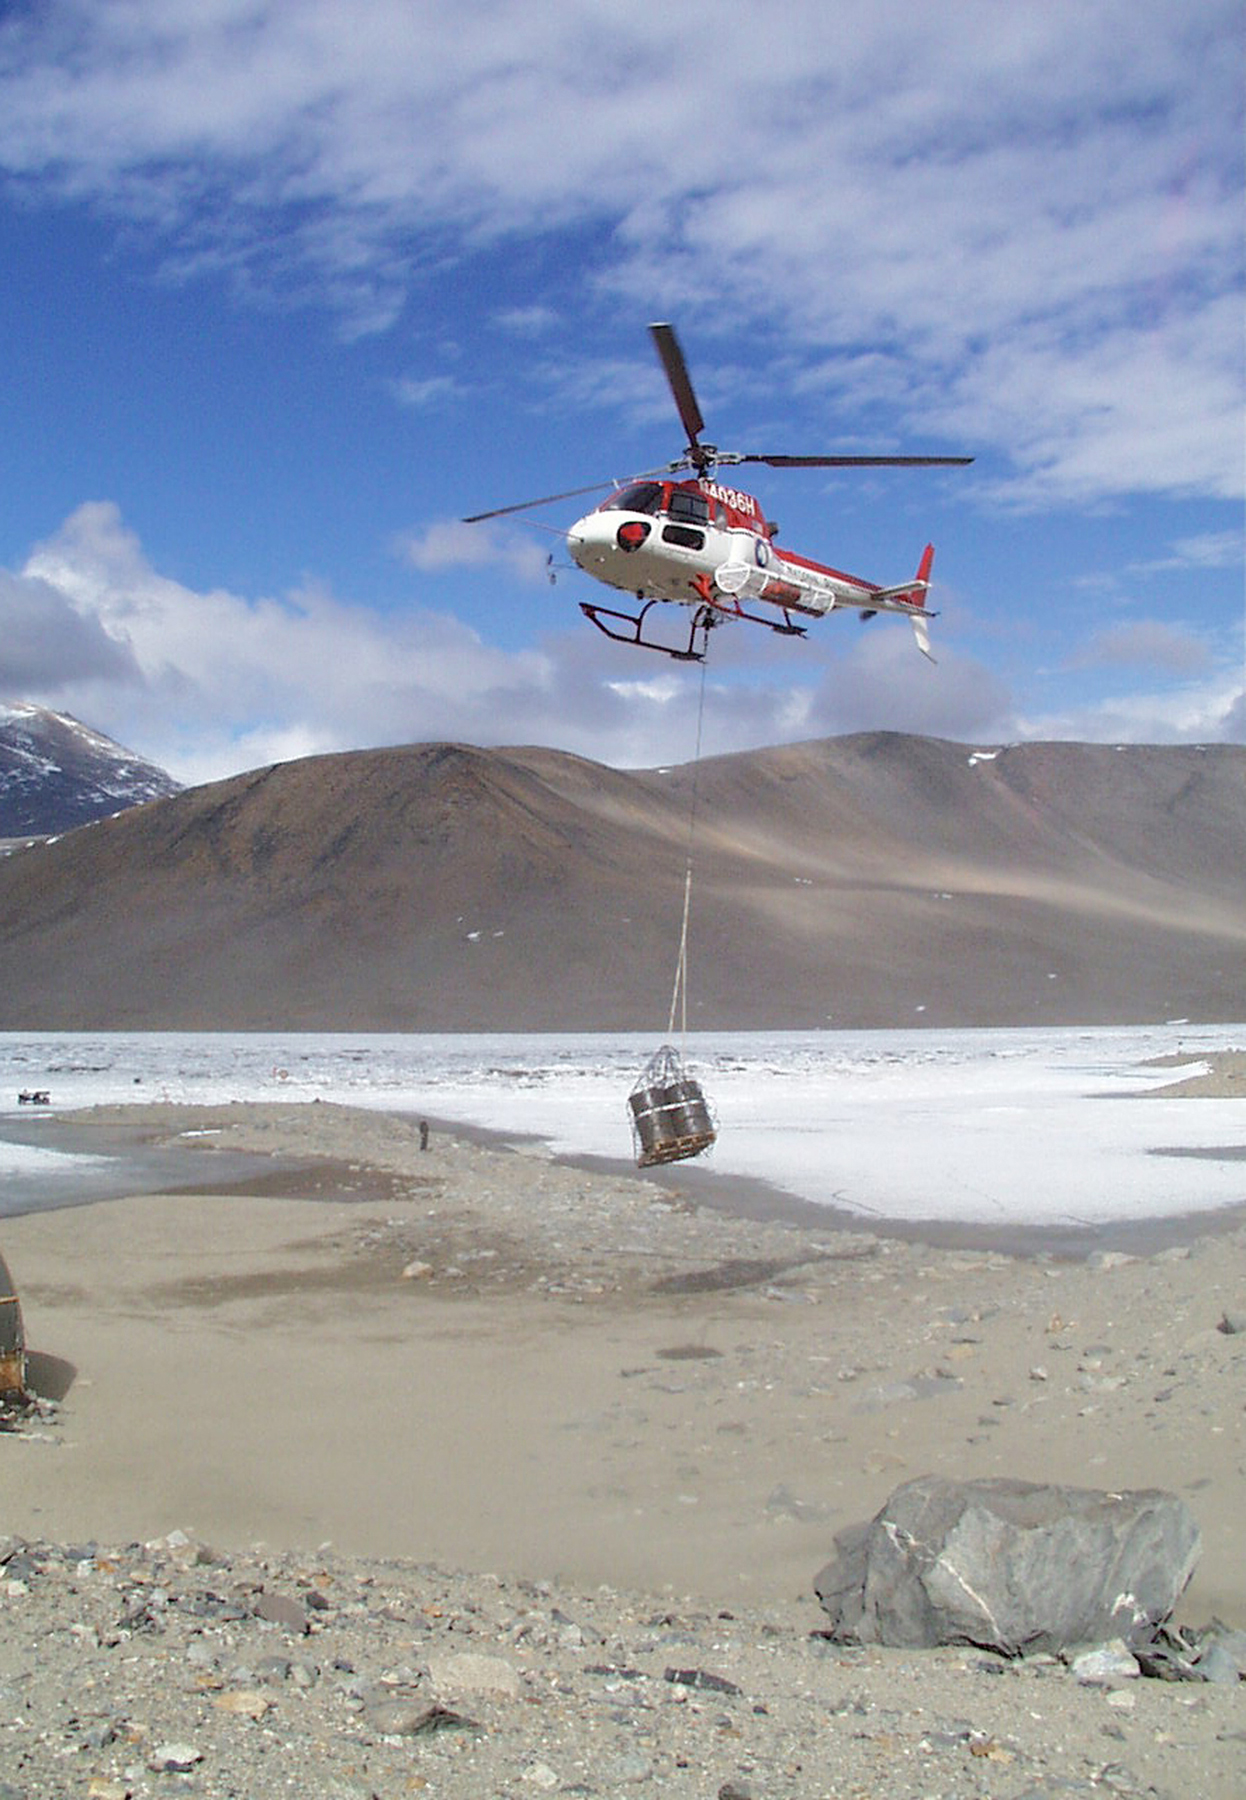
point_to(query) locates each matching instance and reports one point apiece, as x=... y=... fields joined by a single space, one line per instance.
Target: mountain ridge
x=872 y=880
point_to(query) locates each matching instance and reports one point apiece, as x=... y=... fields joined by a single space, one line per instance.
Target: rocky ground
x=169 y=1668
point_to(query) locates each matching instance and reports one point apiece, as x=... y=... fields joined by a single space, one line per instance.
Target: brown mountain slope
x=871 y=880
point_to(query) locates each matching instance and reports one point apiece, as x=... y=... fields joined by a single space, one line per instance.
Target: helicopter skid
x=715 y=611
x=598 y=615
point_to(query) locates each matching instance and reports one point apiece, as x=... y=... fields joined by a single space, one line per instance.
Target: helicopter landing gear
x=702 y=621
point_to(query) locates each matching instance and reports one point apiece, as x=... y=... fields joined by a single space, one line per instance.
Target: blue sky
x=289 y=288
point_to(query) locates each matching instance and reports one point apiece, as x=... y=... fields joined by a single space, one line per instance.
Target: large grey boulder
x=1013 y=1566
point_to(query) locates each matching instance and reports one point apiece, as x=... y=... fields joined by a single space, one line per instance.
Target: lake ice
x=1010 y=1127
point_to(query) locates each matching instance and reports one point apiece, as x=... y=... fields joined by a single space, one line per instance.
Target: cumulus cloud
x=47 y=644
x=450 y=544
x=1145 y=644
x=221 y=681
x=1033 y=215
x=1209 y=711
x=882 y=685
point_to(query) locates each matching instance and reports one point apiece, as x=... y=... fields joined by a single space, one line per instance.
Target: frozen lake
x=1003 y=1127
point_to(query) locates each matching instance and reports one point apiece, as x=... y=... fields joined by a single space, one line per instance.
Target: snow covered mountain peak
x=56 y=772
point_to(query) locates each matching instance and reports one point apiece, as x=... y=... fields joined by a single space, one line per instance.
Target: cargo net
x=671 y=1117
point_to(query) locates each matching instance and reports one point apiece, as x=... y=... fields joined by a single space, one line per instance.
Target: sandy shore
x=474 y=1357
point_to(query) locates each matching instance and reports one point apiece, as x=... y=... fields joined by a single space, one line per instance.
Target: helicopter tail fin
x=910 y=598
x=908 y=593
x=917 y=599
x=914 y=594
x=923 y=576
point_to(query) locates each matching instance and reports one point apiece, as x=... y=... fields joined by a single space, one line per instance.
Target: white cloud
x=46 y=644
x=1032 y=215
x=882 y=684
x=450 y=544
x=1145 y=644
x=219 y=681
x=1209 y=711
x=527 y=321
x=423 y=393
x=1208 y=550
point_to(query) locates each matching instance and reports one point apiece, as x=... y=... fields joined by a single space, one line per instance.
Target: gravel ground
x=168 y=1668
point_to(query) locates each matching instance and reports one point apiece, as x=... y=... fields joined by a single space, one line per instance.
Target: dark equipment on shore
x=12 y=1339
x=671 y=1118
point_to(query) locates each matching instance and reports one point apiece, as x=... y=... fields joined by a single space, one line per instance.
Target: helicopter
x=697 y=541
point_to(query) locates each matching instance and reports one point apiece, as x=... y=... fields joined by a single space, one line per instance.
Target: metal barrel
x=645 y=1117
x=12 y=1336
x=672 y=1121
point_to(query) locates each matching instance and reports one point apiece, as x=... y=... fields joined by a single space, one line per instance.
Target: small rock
x=1219 y=1665
x=701 y=1678
x=409 y=1718
x=470 y=1673
x=629 y=1765
x=1105 y=1664
x=244 y=1703
x=439 y=1718
x=279 y=1609
x=174 y=1759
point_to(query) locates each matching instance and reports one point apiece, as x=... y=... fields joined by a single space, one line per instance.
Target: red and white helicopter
x=701 y=543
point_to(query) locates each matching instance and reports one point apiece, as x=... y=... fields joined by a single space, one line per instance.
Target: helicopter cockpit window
x=695 y=508
x=641 y=497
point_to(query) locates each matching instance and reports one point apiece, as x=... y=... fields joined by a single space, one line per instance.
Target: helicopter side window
x=641 y=497
x=694 y=508
x=683 y=535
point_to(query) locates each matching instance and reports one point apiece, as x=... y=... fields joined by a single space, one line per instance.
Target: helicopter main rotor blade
x=498 y=512
x=667 y=346
x=854 y=462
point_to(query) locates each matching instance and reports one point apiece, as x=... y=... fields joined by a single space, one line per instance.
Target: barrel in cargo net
x=671 y=1117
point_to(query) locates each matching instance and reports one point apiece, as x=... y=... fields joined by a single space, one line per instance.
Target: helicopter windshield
x=640 y=497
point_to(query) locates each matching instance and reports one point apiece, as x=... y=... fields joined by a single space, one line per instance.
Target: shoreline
x=143 y=1150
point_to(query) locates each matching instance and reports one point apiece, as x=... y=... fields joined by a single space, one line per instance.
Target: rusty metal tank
x=12 y=1338
x=671 y=1118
